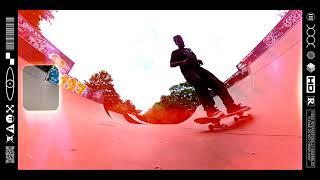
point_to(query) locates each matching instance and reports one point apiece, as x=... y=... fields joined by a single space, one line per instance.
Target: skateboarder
x=201 y=79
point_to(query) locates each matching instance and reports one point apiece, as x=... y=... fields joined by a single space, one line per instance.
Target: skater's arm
x=185 y=62
x=179 y=63
x=175 y=61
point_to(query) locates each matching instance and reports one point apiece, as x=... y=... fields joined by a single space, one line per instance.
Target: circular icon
x=311 y=16
x=9 y=83
x=311 y=55
x=10 y=118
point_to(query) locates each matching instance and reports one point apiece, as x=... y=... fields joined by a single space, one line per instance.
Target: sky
x=135 y=46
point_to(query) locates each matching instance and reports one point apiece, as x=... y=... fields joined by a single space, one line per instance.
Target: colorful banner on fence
x=33 y=37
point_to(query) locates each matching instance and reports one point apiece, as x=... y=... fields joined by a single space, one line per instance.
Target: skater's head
x=179 y=41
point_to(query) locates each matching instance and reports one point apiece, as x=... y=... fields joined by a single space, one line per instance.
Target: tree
x=112 y=100
x=103 y=81
x=35 y=16
x=174 y=108
x=125 y=107
x=183 y=96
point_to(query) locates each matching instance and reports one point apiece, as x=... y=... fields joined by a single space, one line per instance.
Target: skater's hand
x=200 y=62
x=194 y=61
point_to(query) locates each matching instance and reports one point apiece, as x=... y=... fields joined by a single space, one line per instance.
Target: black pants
x=205 y=80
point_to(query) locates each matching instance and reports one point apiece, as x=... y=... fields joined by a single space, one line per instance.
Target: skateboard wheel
x=211 y=127
x=235 y=119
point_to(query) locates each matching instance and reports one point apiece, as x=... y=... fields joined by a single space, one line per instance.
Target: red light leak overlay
x=81 y=136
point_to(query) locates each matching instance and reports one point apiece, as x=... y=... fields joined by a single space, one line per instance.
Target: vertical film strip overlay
x=9 y=93
x=311 y=88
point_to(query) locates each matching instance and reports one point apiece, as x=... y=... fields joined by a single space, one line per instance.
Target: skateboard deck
x=215 y=123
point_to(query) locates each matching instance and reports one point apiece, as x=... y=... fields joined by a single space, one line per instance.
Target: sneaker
x=214 y=113
x=237 y=108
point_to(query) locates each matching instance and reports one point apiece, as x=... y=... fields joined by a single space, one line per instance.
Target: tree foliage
x=35 y=16
x=174 y=108
x=112 y=100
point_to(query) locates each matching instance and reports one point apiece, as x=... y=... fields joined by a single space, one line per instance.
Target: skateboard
x=215 y=123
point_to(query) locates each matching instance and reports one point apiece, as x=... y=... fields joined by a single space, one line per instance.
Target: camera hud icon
x=311 y=55
x=311 y=16
x=311 y=67
x=311 y=101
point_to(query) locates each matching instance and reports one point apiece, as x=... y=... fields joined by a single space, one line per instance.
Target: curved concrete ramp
x=130 y=119
x=136 y=119
x=127 y=118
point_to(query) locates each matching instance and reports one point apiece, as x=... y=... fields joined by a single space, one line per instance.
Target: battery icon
x=311 y=16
